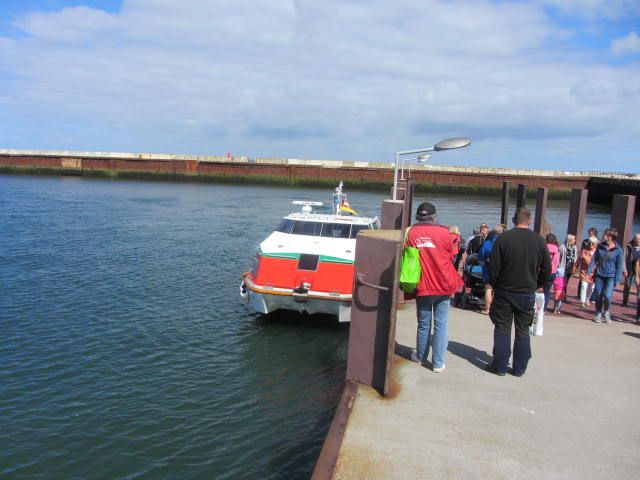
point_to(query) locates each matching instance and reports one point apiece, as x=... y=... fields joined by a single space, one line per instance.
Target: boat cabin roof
x=327 y=218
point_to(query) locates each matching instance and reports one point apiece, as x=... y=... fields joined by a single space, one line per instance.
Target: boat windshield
x=321 y=229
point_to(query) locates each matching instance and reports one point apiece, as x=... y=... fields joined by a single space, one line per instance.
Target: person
x=519 y=264
x=484 y=254
x=631 y=256
x=439 y=280
x=592 y=232
x=476 y=231
x=581 y=267
x=476 y=242
x=456 y=241
x=572 y=257
x=554 y=251
x=606 y=266
x=637 y=291
x=567 y=252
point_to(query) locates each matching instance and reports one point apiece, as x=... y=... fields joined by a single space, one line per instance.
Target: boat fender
x=244 y=293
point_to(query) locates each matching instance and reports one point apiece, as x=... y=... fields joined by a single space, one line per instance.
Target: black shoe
x=490 y=368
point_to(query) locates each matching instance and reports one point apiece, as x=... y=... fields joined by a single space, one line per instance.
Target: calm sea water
x=125 y=351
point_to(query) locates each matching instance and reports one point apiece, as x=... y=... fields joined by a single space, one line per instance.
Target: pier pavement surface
x=575 y=414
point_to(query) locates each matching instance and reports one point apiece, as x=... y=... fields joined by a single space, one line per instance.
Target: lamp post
x=448 y=144
x=420 y=159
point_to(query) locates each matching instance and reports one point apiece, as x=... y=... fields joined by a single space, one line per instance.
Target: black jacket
x=519 y=262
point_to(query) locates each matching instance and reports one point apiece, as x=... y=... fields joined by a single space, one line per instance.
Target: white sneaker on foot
x=439 y=369
x=598 y=318
x=607 y=317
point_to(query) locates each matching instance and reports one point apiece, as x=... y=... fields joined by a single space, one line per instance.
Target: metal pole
x=395 y=170
x=395 y=177
x=504 y=213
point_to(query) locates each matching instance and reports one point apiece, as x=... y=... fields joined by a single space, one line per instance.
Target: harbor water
x=125 y=349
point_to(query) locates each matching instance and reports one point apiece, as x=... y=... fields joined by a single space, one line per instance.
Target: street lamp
x=424 y=158
x=448 y=144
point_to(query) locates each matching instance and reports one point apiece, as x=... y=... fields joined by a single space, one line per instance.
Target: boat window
x=306 y=228
x=308 y=262
x=285 y=226
x=356 y=228
x=335 y=230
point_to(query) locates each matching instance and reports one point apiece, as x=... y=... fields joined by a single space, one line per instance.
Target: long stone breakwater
x=283 y=171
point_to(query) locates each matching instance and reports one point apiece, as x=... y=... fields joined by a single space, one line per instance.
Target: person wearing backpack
x=607 y=267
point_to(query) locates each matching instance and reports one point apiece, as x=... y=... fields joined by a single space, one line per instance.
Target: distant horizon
x=537 y=84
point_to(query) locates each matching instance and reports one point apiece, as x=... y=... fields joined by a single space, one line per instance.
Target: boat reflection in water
x=306 y=265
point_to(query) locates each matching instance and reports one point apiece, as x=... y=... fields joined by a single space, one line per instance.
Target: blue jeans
x=603 y=292
x=437 y=307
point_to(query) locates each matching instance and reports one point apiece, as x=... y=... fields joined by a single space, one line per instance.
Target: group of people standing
x=516 y=263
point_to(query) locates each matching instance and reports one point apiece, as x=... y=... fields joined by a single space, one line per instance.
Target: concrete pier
x=575 y=414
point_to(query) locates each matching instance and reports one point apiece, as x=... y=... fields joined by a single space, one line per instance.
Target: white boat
x=306 y=265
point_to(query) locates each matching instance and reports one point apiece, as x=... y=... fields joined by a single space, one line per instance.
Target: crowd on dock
x=510 y=269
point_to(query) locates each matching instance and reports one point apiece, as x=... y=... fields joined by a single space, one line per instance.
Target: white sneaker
x=439 y=369
x=414 y=357
x=598 y=318
x=607 y=317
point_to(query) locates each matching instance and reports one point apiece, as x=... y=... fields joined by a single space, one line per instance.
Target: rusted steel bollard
x=521 y=196
x=504 y=212
x=540 y=225
x=577 y=212
x=373 y=310
x=622 y=216
x=392 y=212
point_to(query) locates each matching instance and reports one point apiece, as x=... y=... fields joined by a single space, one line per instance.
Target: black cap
x=425 y=209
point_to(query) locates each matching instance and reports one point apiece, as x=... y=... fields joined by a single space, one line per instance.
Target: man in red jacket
x=438 y=281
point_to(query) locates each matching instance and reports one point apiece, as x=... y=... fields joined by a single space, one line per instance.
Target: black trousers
x=510 y=308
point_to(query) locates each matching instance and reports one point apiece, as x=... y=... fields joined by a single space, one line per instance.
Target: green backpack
x=410 y=270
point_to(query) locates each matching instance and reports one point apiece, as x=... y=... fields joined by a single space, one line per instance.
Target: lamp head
x=451 y=143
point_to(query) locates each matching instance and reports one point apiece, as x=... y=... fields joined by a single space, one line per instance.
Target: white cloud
x=629 y=44
x=308 y=79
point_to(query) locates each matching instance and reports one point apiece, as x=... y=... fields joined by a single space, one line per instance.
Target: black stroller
x=472 y=295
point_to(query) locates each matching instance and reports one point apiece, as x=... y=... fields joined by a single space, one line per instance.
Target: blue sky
x=536 y=84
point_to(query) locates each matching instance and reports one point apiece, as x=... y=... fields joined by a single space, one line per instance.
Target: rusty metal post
x=373 y=309
x=541 y=226
x=622 y=216
x=577 y=212
x=392 y=212
x=504 y=212
x=521 y=196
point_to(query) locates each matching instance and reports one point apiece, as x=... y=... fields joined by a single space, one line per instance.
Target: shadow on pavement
x=632 y=334
x=403 y=351
x=474 y=356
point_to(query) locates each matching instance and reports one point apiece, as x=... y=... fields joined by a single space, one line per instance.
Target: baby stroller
x=472 y=295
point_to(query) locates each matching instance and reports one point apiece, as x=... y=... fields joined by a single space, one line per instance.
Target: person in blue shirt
x=484 y=253
x=607 y=266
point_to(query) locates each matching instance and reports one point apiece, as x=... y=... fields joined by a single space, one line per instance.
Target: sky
x=546 y=84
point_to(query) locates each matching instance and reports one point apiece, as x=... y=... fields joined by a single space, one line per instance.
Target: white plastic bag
x=538 y=327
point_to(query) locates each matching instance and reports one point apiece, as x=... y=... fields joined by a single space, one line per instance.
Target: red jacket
x=439 y=276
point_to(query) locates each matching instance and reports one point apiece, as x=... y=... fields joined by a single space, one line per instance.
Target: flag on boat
x=345 y=207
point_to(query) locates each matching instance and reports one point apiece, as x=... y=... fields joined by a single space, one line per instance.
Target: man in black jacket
x=519 y=264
